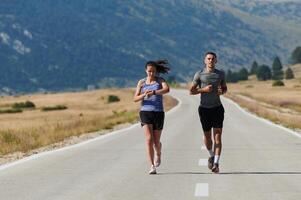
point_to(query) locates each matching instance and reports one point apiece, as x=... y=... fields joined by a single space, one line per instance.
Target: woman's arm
x=163 y=90
x=140 y=96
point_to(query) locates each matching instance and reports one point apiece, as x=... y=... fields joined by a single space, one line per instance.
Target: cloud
x=20 y=48
x=4 y=38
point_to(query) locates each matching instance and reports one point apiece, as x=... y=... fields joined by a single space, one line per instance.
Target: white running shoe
x=152 y=170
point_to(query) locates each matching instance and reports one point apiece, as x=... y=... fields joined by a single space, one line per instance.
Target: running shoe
x=152 y=170
x=210 y=162
x=215 y=168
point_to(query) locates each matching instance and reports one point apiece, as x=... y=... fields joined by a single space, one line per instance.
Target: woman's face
x=151 y=71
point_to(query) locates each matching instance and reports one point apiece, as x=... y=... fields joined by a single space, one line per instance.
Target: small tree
x=263 y=73
x=296 y=56
x=231 y=77
x=277 y=73
x=289 y=74
x=243 y=74
x=254 y=68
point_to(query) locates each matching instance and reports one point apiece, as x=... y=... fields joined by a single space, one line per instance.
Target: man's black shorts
x=154 y=118
x=211 y=117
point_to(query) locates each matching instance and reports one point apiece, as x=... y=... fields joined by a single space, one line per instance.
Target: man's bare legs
x=217 y=134
x=208 y=140
x=217 y=141
x=214 y=152
x=208 y=143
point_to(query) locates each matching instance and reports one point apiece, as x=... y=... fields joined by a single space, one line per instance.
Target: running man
x=210 y=84
x=150 y=91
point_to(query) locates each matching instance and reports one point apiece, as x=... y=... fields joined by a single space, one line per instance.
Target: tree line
x=264 y=72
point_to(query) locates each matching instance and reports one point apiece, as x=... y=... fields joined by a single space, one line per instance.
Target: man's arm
x=224 y=85
x=195 y=90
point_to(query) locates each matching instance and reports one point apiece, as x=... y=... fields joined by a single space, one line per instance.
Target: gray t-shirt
x=203 y=78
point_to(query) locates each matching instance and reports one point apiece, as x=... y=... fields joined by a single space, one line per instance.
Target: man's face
x=210 y=61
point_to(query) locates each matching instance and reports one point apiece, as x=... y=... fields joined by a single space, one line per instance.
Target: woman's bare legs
x=149 y=136
x=157 y=146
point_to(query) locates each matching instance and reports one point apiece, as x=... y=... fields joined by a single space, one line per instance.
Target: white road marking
x=203 y=162
x=202 y=190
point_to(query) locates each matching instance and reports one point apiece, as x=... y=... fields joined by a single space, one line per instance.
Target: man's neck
x=210 y=69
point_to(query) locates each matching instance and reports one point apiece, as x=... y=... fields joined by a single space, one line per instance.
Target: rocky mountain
x=57 y=45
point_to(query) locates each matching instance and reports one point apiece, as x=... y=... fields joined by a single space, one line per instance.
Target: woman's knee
x=149 y=140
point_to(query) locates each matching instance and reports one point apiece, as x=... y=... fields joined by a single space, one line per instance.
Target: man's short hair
x=211 y=53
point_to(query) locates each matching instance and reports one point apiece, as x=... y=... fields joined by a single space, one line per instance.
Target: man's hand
x=207 y=89
x=219 y=90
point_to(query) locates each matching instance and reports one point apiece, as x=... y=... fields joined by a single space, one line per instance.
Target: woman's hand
x=148 y=93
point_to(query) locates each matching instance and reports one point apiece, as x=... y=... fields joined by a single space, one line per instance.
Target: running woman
x=210 y=83
x=149 y=91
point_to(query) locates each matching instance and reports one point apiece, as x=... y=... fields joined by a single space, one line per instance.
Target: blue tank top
x=153 y=103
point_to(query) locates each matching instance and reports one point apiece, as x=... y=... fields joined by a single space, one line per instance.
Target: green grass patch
x=11 y=111
x=26 y=104
x=52 y=108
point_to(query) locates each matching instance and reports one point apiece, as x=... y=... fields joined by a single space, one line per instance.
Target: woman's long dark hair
x=160 y=65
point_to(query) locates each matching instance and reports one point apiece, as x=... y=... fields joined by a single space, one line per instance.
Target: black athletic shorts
x=211 y=117
x=154 y=118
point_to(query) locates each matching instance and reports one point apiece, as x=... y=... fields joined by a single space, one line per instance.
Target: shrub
x=278 y=83
x=57 y=107
x=27 y=104
x=11 y=110
x=113 y=98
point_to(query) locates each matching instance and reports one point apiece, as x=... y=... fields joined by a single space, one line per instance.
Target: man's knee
x=217 y=131
x=208 y=137
x=217 y=144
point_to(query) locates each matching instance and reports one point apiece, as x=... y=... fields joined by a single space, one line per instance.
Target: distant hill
x=73 y=44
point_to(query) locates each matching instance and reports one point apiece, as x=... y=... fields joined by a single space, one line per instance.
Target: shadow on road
x=187 y=173
x=232 y=173
x=262 y=173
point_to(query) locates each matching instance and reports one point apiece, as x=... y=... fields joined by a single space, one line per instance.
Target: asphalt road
x=259 y=161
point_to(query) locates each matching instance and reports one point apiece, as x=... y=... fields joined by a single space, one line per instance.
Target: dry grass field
x=86 y=112
x=281 y=104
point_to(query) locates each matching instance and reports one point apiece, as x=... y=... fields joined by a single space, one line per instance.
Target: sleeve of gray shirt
x=196 y=79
